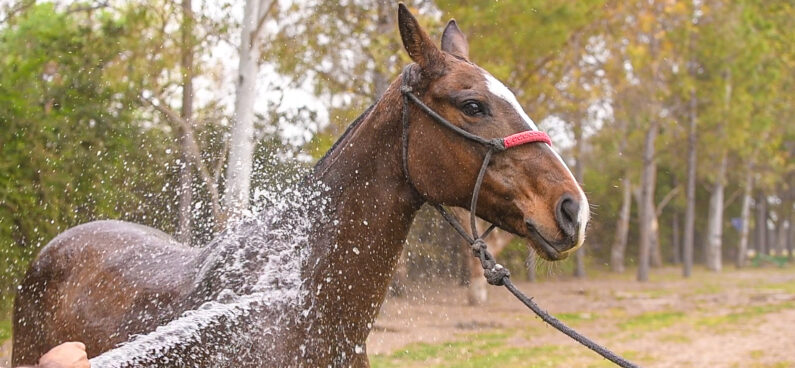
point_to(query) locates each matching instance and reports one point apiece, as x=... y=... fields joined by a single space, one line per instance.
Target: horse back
x=100 y=283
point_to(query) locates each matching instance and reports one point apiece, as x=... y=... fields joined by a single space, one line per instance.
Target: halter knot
x=478 y=246
x=405 y=88
x=497 y=144
x=496 y=275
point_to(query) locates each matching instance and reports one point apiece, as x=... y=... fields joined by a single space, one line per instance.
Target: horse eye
x=472 y=108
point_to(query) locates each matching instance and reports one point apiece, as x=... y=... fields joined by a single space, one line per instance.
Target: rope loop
x=487 y=261
x=478 y=246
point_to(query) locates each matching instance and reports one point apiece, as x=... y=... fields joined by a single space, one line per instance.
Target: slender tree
x=241 y=154
x=745 y=216
x=186 y=112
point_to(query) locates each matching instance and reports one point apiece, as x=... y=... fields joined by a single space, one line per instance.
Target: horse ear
x=454 y=41
x=419 y=46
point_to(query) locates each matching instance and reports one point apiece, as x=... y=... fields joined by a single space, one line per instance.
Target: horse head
x=527 y=190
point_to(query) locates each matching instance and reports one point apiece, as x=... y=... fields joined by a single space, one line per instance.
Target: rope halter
x=495 y=273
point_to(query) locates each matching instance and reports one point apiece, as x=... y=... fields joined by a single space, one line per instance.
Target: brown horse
x=104 y=282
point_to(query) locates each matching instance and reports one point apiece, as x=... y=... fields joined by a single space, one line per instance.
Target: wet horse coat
x=92 y=284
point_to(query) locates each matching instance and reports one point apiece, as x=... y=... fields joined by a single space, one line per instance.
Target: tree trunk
x=241 y=153
x=781 y=235
x=385 y=25
x=745 y=217
x=761 y=223
x=400 y=280
x=185 y=172
x=530 y=264
x=715 y=220
x=714 y=244
x=579 y=254
x=690 y=211
x=771 y=235
x=676 y=244
x=646 y=206
x=464 y=254
x=791 y=217
x=619 y=247
x=655 y=254
x=782 y=224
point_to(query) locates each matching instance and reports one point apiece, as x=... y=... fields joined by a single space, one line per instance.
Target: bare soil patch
x=730 y=319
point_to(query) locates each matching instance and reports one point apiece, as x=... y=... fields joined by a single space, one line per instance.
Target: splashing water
x=251 y=278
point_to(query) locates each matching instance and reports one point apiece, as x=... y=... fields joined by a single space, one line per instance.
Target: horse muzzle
x=552 y=250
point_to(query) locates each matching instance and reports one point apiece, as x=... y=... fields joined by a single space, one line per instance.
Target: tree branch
x=732 y=197
x=20 y=8
x=327 y=77
x=664 y=202
x=194 y=153
x=261 y=16
x=219 y=165
x=88 y=8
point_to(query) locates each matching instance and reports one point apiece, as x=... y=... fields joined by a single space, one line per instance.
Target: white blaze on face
x=497 y=88
x=500 y=90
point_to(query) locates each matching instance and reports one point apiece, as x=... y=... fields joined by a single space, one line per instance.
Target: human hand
x=66 y=355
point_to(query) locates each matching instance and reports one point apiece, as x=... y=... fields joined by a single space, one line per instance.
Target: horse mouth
x=543 y=247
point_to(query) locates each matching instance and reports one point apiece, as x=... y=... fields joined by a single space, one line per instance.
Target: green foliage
x=538 y=43
x=778 y=260
x=76 y=146
x=72 y=142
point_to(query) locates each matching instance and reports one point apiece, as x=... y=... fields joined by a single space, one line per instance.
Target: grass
x=494 y=350
x=784 y=287
x=474 y=347
x=676 y=338
x=722 y=323
x=650 y=321
x=575 y=318
x=477 y=350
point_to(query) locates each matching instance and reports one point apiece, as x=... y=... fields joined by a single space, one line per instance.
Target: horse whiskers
x=547 y=268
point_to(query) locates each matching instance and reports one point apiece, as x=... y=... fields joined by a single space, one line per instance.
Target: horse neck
x=372 y=206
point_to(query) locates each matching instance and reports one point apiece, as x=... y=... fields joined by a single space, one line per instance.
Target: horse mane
x=351 y=127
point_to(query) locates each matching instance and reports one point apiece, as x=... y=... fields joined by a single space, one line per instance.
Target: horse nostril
x=567 y=215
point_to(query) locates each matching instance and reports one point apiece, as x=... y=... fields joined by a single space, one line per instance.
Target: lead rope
x=494 y=272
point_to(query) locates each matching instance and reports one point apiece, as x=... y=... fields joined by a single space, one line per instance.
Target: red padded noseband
x=529 y=136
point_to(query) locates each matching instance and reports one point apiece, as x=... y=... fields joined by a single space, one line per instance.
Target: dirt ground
x=729 y=319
